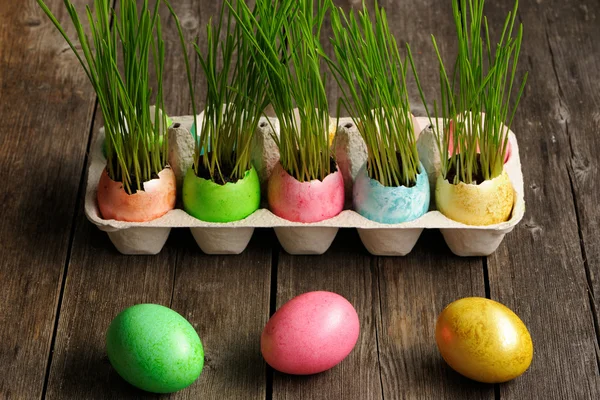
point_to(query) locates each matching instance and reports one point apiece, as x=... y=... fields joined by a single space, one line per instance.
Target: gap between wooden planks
x=529 y=288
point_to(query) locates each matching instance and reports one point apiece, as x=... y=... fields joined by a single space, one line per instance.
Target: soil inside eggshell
x=220 y=179
x=477 y=175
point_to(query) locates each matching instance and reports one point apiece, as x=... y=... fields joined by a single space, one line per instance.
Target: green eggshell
x=211 y=202
x=154 y=348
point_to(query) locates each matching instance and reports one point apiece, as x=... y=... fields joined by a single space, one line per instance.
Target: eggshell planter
x=211 y=202
x=305 y=202
x=487 y=203
x=157 y=199
x=386 y=239
x=390 y=205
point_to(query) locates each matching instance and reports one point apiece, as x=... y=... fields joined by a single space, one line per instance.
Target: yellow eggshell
x=332 y=130
x=488 y=203
x=483 y=340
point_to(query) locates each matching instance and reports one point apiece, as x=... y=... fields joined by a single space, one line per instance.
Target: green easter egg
x=154 y=348
x=211 y=202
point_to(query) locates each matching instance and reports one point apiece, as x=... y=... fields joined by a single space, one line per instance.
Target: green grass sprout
x=136 y=149
x=285 y=35
x=482 y=83
x=372 y=78
x=235 y=99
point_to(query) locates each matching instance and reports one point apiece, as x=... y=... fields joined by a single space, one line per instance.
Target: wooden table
x=62 y=281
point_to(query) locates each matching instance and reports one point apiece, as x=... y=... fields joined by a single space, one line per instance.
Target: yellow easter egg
x=483 y=340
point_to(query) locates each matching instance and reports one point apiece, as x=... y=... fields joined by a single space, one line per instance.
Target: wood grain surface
x=46 y=107
x=539 y=271
x=346 y=269
x=414 y=290
x=211 y=292
x=227 y=299
x=63 y=282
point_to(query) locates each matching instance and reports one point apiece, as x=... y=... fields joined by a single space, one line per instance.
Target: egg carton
x=295 y=237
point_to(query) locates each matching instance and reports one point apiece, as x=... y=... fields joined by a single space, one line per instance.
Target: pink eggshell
x=312 y=201
x=508 y=152
x=311 y=333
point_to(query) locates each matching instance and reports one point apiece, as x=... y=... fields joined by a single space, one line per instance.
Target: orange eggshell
x=157 y=198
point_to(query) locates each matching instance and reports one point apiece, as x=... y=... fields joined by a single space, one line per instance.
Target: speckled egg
x=310 y=201
x=490 y=202
x=390 y=204
x=311 y=333
x=154 y=348
x=483 y=340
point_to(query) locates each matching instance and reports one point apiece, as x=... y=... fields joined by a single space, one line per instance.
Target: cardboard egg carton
x=301 y=238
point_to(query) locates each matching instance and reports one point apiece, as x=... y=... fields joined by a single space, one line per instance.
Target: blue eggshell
x=390 y=205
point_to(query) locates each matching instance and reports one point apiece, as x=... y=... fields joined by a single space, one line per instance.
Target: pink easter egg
x=312 y=201
x=311 y=333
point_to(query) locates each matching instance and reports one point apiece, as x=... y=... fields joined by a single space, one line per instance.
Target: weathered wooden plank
x=226 y=298
x=100 y=283
x=414 y=290
x=211 y=292
x=578 y=79
x=348 y=270
x=45 y=108
x=539 y=271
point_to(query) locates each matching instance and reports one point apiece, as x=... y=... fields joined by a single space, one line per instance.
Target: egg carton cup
x=302 y=238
